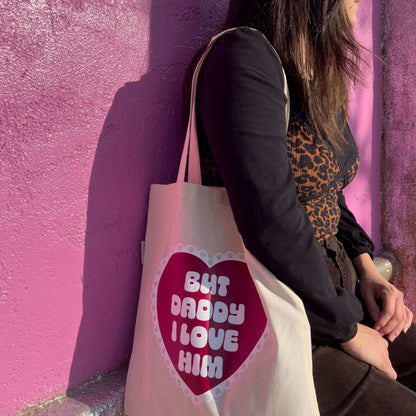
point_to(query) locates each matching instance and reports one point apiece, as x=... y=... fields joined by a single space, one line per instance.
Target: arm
x=369 y=345
x=353 y=237
x=241 y=104
x=392 y=316
x=384 y=302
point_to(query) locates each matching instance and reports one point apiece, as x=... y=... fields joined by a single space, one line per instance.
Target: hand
x=393 y=317
x=370 y=347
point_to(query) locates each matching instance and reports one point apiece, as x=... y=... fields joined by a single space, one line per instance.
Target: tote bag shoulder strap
x=190 y=153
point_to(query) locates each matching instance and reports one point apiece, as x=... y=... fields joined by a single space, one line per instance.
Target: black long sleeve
x=354 y=239
x=241 y=109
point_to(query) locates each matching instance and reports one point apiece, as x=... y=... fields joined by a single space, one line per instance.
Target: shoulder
x=244 y=38
x=244 y=49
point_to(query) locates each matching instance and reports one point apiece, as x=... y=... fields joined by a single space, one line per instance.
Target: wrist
x=364 y=266
x=351 y=335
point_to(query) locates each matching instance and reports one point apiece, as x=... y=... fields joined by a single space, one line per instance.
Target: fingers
x=395 y=332
x=409 y=315
x=383 y=362
x=391 y=316
x=395 y=317
x=388 y=369
x=372 y=306
x=403 y=326
x=369 y=346
x=391 y=373
x=388 y=297
x=397 y=322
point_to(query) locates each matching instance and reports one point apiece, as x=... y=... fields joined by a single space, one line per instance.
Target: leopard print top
x=318 y=174
x=319 y=178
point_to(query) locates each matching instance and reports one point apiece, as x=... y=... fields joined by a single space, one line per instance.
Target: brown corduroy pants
x=346 y=386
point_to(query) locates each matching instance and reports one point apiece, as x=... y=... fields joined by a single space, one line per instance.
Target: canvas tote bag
x=216 y=332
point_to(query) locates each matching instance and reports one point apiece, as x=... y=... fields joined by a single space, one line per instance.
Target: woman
x=285 y=189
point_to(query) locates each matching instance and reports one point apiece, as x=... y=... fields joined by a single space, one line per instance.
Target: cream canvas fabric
x=216 y=332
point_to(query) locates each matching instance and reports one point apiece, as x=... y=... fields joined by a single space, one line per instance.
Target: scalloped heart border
x=226 y=384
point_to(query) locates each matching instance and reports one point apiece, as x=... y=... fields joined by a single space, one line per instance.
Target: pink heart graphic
x=210 y=318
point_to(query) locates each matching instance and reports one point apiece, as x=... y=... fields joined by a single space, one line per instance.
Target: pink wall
x=399 y=156
x=90 y=115
x=363 y=195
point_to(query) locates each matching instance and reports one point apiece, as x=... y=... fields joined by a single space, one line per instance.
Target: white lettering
x=174 y=331
x=231 y=340
x=185 y=361
x=175 y=306
x=236 y=315
x=220 y=314
x=204 y=310
x=184 y=336
x=209 y=285
x=191 y=281
x=188 y=309
x=199 y=337
x=223 y=281
x=209 y=366
x=215 y=341
x=196 y=365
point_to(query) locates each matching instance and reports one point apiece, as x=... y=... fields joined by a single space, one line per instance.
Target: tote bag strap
x=190 y=160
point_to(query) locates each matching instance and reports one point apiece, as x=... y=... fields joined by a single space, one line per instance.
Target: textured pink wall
x=363 y=195
x=399 y=155
x=90 y=115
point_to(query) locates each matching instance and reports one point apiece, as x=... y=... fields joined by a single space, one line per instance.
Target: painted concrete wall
x=399 y=154
x=90 y=116
x=363 y=195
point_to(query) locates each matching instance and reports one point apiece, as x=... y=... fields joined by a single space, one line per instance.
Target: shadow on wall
x=139 y=145
x=376 y=121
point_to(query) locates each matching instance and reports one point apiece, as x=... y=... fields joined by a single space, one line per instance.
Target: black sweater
x=244 y=143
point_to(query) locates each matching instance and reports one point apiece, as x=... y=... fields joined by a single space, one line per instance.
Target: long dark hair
x=319 y=53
